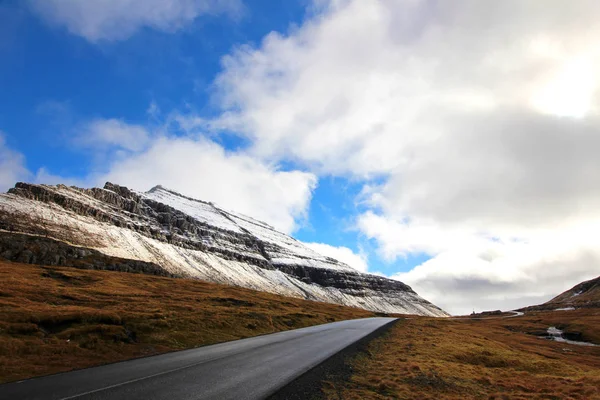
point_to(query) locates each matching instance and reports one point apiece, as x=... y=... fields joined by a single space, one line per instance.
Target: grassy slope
x=425 y=358
x=586 y=294
x=55 y=319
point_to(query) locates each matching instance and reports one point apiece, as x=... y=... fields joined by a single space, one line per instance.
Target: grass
x=584 y=295
x=55 y=319
x=425 y=358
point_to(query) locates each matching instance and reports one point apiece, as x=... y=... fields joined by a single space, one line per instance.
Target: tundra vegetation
x=55 y=319
x=492 y=358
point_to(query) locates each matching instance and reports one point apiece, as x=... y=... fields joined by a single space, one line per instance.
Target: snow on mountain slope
x=202 y=211
x=284 y=249
x=196 y=239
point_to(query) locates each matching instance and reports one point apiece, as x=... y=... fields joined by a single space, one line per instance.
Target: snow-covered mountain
x=161 y=230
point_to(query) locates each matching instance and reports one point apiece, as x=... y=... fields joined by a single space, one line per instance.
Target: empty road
x=251 y=368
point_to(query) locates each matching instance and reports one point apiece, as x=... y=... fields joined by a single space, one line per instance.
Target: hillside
x=583 y=295
x=55 y=319
x=170 y=234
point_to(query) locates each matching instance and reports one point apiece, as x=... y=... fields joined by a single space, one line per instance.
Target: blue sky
x=51 y=79
x=54 y=81
x=448 y=145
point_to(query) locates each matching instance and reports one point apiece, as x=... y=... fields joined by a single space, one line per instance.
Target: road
x=515 y=314
x=251 y=368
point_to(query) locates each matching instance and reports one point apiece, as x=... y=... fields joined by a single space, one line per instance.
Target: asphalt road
x=251 y=368
x=515 y=314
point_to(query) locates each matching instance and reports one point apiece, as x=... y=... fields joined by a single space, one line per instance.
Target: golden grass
x=55 y=319
x=425 y=358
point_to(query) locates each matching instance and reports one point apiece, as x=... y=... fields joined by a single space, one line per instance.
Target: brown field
x=426 y=358
x=55 y=319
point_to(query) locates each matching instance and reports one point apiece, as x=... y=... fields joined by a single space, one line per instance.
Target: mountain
x=583 y=295
x=165 y=233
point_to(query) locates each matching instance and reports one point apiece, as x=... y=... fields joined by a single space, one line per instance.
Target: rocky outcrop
x=123 y=208
x=344 y=280
x=181 y=236
x=29 y=249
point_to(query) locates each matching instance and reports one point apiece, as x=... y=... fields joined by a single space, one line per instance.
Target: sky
x=451 y=145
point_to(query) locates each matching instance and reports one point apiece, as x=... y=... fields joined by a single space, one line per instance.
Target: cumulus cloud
x=169 y=154
x=105 y=133
x=45 y=177
x=13 y=169
x=12 y=166
x=515 y=276
x=357 y=261
x=364 y=87
x=204 y=170
x=479 y=121
x=119 y=19
x=504 y=169
x=473 y=269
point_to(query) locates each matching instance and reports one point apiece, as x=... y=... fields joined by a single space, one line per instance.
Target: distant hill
x=584 y=295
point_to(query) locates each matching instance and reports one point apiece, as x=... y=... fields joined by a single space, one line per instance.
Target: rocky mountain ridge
x=190 y=238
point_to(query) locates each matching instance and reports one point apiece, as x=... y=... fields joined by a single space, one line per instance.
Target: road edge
x=308 y=385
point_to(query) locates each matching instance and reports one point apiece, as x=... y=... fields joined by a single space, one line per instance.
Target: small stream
x=557 y=335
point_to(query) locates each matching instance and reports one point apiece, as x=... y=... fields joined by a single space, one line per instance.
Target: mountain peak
x=156 y=188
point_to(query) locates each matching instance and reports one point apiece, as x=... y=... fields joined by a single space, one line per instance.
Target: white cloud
x=104 y=133
x=505 y=275
x=98 y=20
x=401 y=238
x=13 y=169
x=45 y=177
x=473 y=269
x=357 y=261
x=200 y=168
x=568 y=91
x=175 y=152
x=12 y=166
x=365 y=87
x=480 y=121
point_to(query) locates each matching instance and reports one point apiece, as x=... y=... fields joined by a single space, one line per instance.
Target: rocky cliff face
x=186 y=237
